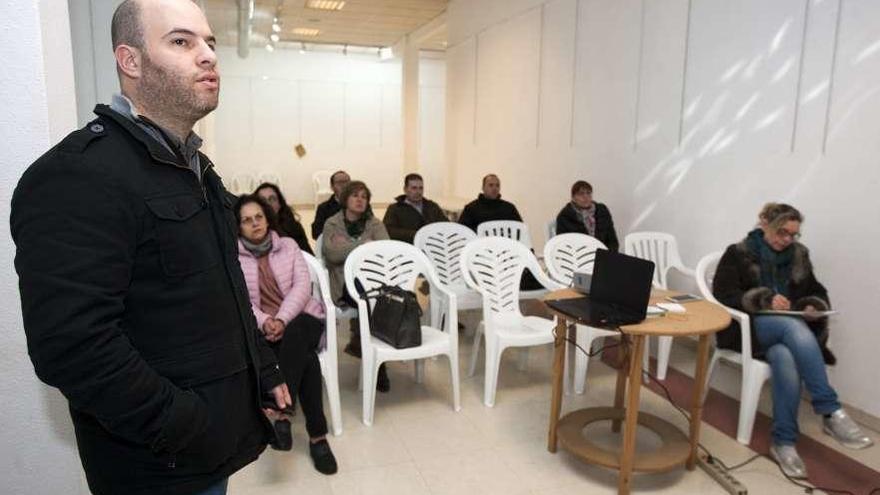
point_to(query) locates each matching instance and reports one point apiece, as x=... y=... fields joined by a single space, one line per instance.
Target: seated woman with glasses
x=771 y=270
x=280 y=291
x=584 y=216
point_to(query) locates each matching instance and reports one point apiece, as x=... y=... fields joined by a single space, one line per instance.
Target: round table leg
x=632 y=414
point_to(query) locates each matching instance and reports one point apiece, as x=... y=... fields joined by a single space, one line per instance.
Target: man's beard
x=173 y=95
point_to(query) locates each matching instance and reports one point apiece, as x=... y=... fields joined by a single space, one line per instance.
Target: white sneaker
x=843 y=429
x=788 y=459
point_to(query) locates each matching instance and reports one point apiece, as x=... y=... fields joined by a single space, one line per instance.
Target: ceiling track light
x=270 y=48
x=274 y=37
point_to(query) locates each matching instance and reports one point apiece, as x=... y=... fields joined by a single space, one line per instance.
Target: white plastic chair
x=493 y=266
x=517 y=231
x=754 y=371
x=341 y=313
x=327 y=357
x=243 y=184
x=269 y=177
x=321 y=185
x=398 y=263
x=442 y=243
x=662 y=249
x=565 y=254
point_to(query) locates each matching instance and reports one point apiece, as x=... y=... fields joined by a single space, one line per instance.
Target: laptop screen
x=622 y=281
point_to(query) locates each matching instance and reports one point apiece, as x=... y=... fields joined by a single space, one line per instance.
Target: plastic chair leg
x=419 y=365
x=582 y=361
x=748 y=407
x=713 y=362
x=664 y=348
x=475 y=351
x=369 y=371
x=493 y=363
x=456 y=389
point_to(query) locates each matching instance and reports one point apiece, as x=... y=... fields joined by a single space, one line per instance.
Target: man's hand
x=780 y=302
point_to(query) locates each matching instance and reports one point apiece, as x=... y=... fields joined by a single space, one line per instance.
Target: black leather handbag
x=395 y=317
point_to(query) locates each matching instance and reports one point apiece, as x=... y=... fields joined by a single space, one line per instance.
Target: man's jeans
x=794 y=356
x=217 y=489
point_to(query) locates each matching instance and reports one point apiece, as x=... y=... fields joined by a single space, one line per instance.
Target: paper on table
x=672 y=307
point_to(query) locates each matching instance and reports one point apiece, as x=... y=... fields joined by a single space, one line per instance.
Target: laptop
x=619 y=292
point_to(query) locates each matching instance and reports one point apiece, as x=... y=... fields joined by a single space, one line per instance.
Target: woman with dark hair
x=288 y=221
x=280 y=292
x=771 y=270
x=584 y=216
x=352 y=226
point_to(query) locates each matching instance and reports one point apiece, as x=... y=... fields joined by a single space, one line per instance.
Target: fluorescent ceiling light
x=385 y=53
x=306 y=31
x=325 y=4
x=276 y=27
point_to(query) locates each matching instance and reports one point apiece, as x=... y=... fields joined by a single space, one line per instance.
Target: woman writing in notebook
x=770 y=270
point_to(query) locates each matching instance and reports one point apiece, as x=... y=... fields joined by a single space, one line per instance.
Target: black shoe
x=323 y=457
x=353 y=348
x=283 y=437
x=383 y=384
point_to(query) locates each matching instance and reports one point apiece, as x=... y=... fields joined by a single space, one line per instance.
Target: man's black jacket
x=325 y=210
x=568 y=220
x=402 y=220
x=135 y=308
x=484 y=209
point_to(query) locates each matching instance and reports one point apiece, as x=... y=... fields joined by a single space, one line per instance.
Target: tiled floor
x=419 y=445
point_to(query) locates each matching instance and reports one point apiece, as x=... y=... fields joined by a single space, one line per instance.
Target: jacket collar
x=156 y=150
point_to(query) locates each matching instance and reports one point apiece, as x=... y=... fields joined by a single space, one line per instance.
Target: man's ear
x=129 y=61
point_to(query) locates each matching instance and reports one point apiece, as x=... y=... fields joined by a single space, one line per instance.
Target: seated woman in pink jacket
x=280 y=291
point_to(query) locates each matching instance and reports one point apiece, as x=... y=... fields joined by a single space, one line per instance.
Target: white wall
x=345 y=110
x=38 y=109
x=593 y=89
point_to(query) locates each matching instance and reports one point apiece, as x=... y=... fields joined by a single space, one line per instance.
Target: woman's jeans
x=794 y=356
x=217 y=489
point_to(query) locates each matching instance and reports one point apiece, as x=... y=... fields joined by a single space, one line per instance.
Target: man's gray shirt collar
x=189 y=150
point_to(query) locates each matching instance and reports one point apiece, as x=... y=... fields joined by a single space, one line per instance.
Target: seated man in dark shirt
x=488 y=206
x=411 y=211
x=585 y=216
x=328 y=208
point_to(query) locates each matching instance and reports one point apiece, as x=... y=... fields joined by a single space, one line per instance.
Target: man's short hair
x=487 y=178
x=411 y=177
x=581 y=185
x=127 y=27
x=333 y=176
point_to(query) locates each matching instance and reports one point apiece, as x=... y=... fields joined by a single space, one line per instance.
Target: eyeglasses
x=788 y=235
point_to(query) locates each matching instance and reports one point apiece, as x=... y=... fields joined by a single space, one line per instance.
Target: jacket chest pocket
x=184 y=232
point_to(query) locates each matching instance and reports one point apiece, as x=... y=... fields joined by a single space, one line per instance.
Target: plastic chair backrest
x=565 y=254
x=270 y=177
x=705 y=274
x=321 y=181
x=510 y=229
x=493 y=267
x=243 y=184
x=319 y=247
x=550 y=229
x=442 y=243
x=659 y=247
x=321 y=291
x=386 y=262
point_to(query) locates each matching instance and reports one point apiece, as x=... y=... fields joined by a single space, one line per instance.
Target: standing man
x=133 y=300
x=488 y=206
x=411 y=211
x=328 y=208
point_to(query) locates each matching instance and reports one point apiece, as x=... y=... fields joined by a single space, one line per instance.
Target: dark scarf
x=775 y=266
x=356 y=229
x=258 y=250
x=587 y=216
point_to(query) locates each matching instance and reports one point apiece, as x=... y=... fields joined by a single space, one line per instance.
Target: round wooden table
x=702 y=319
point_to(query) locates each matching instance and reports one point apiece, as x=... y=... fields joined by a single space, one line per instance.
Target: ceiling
x=374 y=23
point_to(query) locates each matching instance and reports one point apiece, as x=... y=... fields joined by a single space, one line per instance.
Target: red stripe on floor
x=826 y=467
